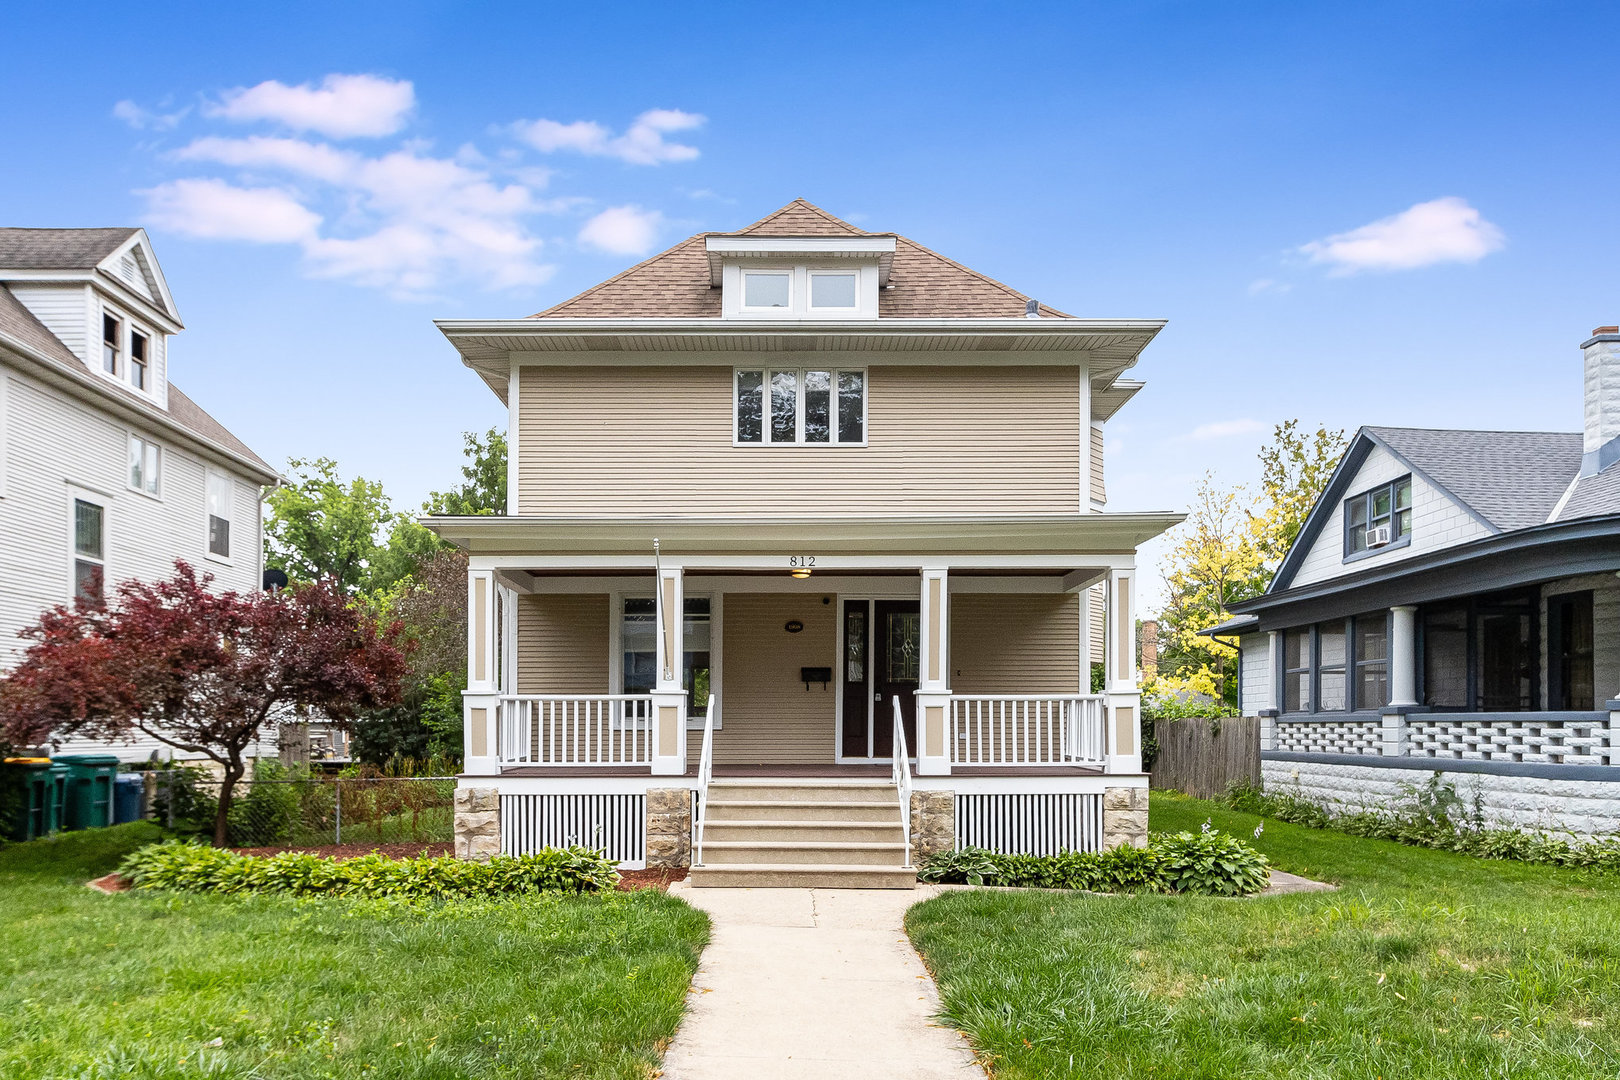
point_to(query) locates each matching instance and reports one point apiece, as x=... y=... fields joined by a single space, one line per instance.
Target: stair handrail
x=705 y=774
x=902 y=776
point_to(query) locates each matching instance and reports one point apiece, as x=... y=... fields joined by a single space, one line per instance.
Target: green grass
x=1424 y=965
x=140 y=985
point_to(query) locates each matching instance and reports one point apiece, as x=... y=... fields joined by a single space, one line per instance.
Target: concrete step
x=811 y=831
x=733 y=809
x=804 y=853
x=797 y=790
x=778 y=876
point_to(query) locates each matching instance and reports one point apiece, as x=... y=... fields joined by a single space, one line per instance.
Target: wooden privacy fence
x=1206 y=758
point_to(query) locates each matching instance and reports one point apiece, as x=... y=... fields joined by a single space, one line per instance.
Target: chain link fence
x=312 y=811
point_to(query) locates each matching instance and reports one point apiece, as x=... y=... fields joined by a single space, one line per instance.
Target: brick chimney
x=1601 y=445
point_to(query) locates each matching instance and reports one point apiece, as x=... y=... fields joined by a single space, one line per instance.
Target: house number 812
x=801 y=561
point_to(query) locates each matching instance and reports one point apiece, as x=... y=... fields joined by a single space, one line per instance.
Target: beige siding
x=1099 y=490
x=950 y=439
x=563 y=645
x=767 y=715
x=1015 y=644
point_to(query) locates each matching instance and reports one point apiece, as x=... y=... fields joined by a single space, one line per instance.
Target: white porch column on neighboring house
x=669 y=691
x=1274 y=702
x=480 y=705
x=1403 y=655
x=1124 y=697
x=934 y=676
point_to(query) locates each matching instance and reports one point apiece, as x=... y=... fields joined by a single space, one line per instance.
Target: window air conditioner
x=1378 y=536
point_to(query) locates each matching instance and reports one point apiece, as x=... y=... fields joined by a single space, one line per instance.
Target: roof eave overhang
x=932 y=535
x=1519 y=558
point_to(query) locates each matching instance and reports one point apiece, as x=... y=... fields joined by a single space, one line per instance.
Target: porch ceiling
x=690 y=539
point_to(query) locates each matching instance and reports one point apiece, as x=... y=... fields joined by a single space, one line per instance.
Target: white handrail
x=902 y=775
x=705 y=774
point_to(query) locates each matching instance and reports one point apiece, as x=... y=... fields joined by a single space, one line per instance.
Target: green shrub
x=191 y=867
x=1207 y=864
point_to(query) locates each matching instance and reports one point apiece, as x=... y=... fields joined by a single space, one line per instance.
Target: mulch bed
x=661 y=878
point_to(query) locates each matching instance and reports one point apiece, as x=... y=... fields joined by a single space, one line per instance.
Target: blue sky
x=1372 y=213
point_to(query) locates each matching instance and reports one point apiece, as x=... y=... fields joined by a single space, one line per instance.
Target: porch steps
x=780 y=833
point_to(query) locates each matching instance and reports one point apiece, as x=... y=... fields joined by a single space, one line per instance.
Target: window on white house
x=767 y=289
x=832 y=289
x=143 y=465
x=1330 y=644
x=112 y=342
x=1378 y=518
x=139 y=344
x=1372 y=661
x=219 y=515
x=1297 y=671
x=89 y=550
x=815 y=407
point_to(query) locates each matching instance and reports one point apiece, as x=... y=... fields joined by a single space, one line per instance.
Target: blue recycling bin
x=127 y=791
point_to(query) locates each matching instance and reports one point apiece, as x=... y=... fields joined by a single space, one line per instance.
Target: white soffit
x=865 y=248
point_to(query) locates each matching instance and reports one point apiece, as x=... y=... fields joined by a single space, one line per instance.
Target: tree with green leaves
x=483 y=484
x=322 y=526
x=1294 y=468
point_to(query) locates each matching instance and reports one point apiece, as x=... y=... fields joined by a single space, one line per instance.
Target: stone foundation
x=669 y=827
x=1125 y=817
x=478 y=822
x=933 y=824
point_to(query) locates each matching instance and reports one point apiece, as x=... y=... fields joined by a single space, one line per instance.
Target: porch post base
x=480 y=718
x=669 y=827
x=933 y=731
x=933 y=824
x=1125 y=817
x=668 y=733
x=1124 y=732
x=478 y=823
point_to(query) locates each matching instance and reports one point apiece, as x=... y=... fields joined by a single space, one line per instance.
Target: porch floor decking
x=829 y=770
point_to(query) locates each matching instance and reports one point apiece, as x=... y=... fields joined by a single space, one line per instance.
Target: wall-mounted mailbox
x=822 y=675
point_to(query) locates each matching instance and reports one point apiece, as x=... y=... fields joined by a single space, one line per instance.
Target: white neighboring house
x=107 y=470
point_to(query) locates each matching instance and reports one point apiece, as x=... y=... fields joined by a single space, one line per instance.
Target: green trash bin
x=35 y=797
x=89 y=789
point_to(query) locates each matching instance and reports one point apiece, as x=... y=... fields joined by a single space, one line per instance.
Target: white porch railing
x=902 y=774
x=705 y=774
x=1027 y=729
x=575 y=729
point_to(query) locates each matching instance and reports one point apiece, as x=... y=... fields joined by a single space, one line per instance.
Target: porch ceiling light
x=800 y=571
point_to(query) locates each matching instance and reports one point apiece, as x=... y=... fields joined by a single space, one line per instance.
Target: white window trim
x=122 y=361
x=129 y=357
x=792 y=280
x=78 y=493
x=161 y=454
x=810 y=289
x=798 y=417
x=209 y=473
x=128 y=327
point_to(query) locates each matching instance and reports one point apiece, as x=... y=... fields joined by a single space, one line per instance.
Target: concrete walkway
x=812 y=983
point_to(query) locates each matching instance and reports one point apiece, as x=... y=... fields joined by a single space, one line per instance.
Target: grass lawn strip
x=167 y=985
x=1424 y=965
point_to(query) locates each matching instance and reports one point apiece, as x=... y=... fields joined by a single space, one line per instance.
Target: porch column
x=1403 y=655
x=934 y=676
x=480 y=703
x=1124 y=697
x=1274 y=698
x=668 y=732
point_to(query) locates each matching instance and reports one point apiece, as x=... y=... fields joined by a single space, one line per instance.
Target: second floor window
x=89 y=550
x=1378 y=518
x=112 y=340
x=143 y=465
x=219 y=515
x=805 y=406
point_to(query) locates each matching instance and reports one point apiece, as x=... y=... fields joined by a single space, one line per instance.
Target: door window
x=904 y=639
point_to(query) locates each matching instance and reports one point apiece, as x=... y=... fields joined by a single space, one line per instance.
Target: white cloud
x=215 y=210
x=318 y=160
x=643 y=143
x=342 y=106
x=1224 y=429
x=1268 y=285
x=147 y=119
x=1438 y=231
x=622 y=230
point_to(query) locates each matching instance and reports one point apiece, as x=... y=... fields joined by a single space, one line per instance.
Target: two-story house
x=1452 y=604
x=805 y=560
x=107 y=470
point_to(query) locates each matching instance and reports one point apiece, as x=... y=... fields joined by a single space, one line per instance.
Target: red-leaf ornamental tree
x=202 y=671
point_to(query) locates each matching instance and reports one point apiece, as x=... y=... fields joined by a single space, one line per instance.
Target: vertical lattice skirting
x=1030 y=824
x=615 y=823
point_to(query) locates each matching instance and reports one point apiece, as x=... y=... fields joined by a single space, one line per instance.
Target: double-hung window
x=139 y=347
x=1378 y=518
x=638 y=645
x=219 y=515
x=809 y=406
x=112 y=342
x=89 y=550
x=143 y=465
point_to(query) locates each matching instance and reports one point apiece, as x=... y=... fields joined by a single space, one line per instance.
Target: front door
x=897 y=658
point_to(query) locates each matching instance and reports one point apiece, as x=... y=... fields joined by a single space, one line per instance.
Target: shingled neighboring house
x=1452 y=603
x=107 y=470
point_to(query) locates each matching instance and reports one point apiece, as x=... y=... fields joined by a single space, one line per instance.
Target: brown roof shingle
x=923 y=284
x=59 y=249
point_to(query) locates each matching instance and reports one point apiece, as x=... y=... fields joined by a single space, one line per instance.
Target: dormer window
x=833 y=290
x=139 y=345
x=1378 y=519
x=767 y=289
x=803 y=277
x=112 y=341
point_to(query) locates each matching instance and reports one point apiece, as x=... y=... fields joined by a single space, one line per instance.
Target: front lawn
x=1424 y=965
x=161 y=985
